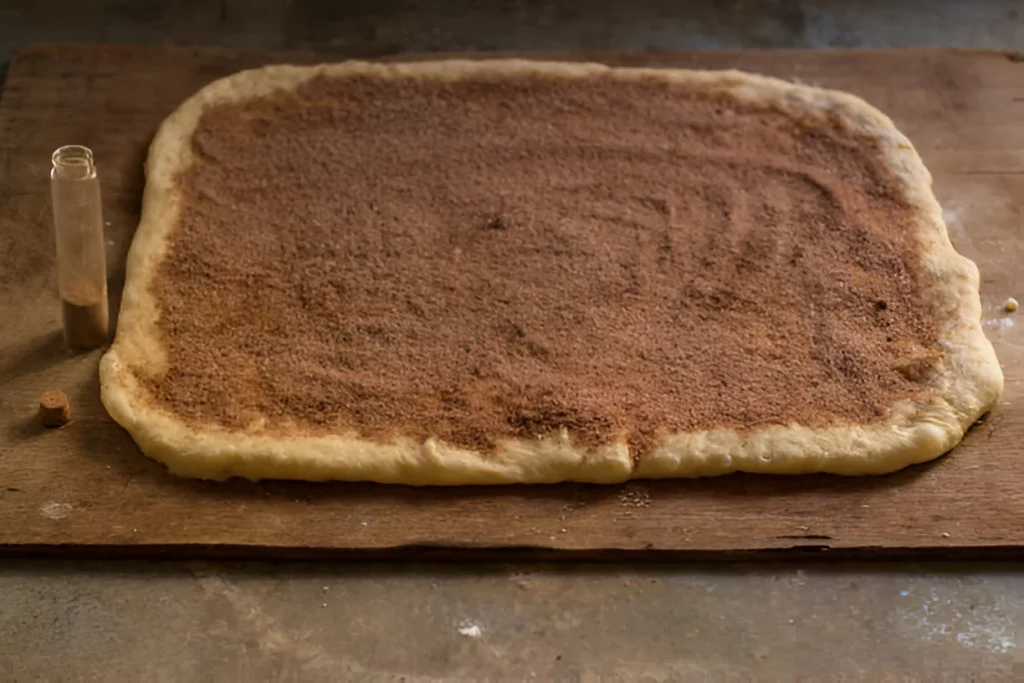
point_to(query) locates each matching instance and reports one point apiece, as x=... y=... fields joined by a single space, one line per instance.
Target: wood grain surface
x=87 y=487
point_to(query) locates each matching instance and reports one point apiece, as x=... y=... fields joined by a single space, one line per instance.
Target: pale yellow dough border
x=967 y=384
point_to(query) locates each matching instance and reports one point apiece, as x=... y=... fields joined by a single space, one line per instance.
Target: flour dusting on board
x=470 y=629
x=999 y=325
x=955 y=214
x=951 y=215
x=55 y=510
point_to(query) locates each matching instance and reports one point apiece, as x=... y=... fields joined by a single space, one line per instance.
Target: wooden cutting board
x=87 y=487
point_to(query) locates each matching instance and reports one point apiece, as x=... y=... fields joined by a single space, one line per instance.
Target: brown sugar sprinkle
x=493 y=258
x=54 y=408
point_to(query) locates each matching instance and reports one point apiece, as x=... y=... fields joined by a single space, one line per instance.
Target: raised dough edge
x=967 y=382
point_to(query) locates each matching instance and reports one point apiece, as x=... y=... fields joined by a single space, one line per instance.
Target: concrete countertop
x=173 y=621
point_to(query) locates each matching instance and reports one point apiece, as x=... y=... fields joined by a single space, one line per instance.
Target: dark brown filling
x=498 y=258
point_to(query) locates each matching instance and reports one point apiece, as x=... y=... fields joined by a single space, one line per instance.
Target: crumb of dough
x=54 y=409
x=1011 y=305
x=635 y=498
